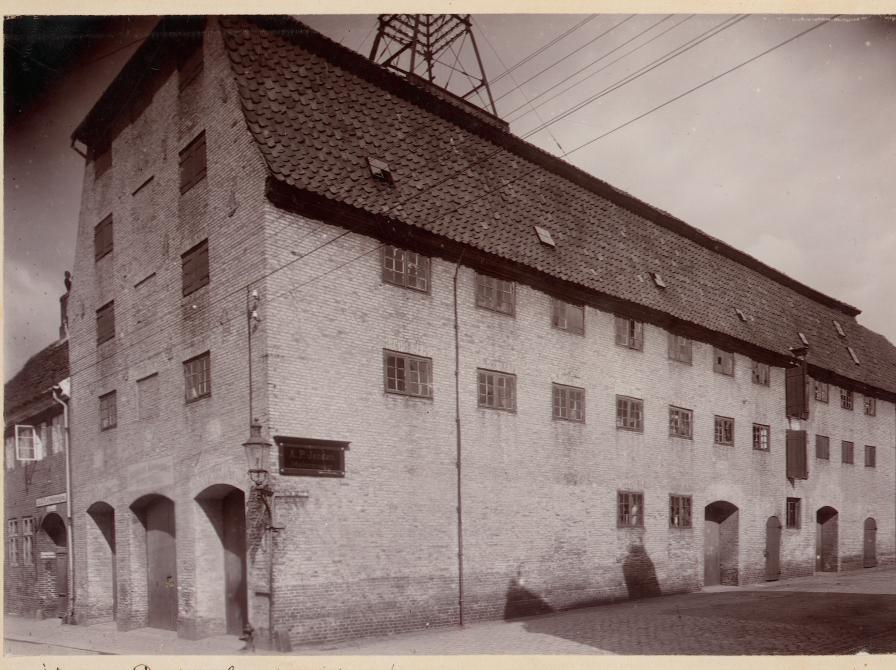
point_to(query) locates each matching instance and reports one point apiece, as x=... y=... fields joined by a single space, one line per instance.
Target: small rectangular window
x=629 y=509
x=148 y=397
x=761 y=373
x=724 y=431
x=405 y=268
x=568 y=402
x=102 y=160
x=406 y=374
x=870 y=456
x=723 y=362
x=680 y=511
x=194 y=268
x=102 y=238
x=629 y=333
x=821 y=391
x=198 y=377
x=192 y=163
x=870 y=405
x=567 y=316
x=846 y=399
x=629 y=413
x=12 y=542
x=680 y=348
x=27 y=539
x=823 y=447
x=108 y=410
x=793 y=513
x=105 y=322
x=761 y=434
x=497 y=390
x=495 y=294
x=846 y=452
x=680 y=422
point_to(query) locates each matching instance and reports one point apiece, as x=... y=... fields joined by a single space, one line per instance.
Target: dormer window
x=380 y=170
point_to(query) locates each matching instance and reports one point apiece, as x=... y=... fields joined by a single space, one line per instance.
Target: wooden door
x=826 y=540
x=61 y=583
x=161 y=564
x=234 y=540
x=711 y=563
x=772 y=549
x=870 y=554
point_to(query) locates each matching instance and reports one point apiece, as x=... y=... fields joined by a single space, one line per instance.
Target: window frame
x=674 y=348
x=407 y=359
x=192 y=275
x=847 y=399
x=190 y=375
x=768 y=437
x=483 y=373
x=190 y=172
x=27 y=540
x=683 y=504
x=108 y=410
x=105 y=323
x=402 y=278
x=847 y=452
x=718 y=421
x=793 y=513
x=630 y=403
x=825 y=395
x=489 y=288
x=870 y=450
x=562 y=393
x=12 y=541
x=103 y=238
x=761 y=373
x=681 y=412
x=719 y=359
x=819 y=441
x=870 y=403
x=629 y=333
x=629 y=500
x=558 y=306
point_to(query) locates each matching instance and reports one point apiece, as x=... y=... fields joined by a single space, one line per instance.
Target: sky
x=789 y=157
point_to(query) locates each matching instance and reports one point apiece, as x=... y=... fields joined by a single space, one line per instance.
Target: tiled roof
x=317 y=113
x=40 y=373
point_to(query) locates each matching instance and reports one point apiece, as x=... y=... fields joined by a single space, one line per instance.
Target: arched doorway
x=826 y=541
x=772 y=549
x=156 y=513
x=869 y=559
x=222 y=586
x=720 y=544
x=53 y=525
x=102 y=576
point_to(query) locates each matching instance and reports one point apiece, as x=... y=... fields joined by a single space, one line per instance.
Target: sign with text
x=311 y=457
x=50 y=500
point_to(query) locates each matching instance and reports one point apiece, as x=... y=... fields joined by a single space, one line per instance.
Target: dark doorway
x=772 y=549
x=53 y=525
x=826 y=552
x=869 y=559
x=103 y=555
x=720 y=544
x=161 y=563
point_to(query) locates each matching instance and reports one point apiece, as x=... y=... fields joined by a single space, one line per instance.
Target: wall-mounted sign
x=47 y=554
x=51 y=500
x=311 y=458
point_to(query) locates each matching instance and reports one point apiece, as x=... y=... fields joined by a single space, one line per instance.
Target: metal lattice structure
x=435 y=47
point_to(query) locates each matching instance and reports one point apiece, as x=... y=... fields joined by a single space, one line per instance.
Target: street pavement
x=833 y=613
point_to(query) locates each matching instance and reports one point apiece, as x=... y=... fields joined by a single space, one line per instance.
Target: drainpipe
x=460 y=522
x=63 y=399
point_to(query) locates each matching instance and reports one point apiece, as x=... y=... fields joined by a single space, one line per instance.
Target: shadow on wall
x=639 y=573
x=521 y=602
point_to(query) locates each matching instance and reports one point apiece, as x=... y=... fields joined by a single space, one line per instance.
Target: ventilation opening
x=855 y=359
x=544 y=236
x=657 y=279
x=839 y=329
x=740 y=314
x=803 y=339
x=380 y=170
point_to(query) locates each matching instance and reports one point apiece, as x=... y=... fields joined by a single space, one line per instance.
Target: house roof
x=40 y=373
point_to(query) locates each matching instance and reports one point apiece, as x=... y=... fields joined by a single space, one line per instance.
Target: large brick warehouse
x=494 y=383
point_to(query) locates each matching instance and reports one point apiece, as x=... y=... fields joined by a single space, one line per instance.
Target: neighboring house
x=618 y=425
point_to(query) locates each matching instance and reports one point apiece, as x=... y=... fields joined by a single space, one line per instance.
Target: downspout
x=460 y=521
x=70 y=614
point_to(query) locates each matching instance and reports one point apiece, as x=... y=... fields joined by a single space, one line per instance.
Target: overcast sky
x=790 y=158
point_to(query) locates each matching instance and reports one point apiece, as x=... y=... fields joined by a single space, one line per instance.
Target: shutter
x=797 y=467
x=621 y=331
x=796 y=392
x=639 y=336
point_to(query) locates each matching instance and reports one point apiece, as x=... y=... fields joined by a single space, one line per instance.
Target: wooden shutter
x=797 y=465
x=192 y=163
x=102 y=238
x=796 y=392
x=105 y=323
x=195 y=268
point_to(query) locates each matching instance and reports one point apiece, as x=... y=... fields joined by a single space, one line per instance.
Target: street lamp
x=258 y=454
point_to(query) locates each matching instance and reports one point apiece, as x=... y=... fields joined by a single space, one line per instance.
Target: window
x=821 y=391
x=629 y=333
x=793 y=513
x=853 y=356
x=839 y=328
x=189 y=64
x=194 y=268
x=722 y=361
x=761 y=373
x=108 y=410
x=870 y=456
x=803 y=338
x=724 y=430
x=27 y=443
x=495 y=294
x=105 y=322
x=407 y=374
x=761 y=437
x=102 y=238
x=630 y=509
x=102 y=160
x=680 y=348
x=870 y=405
x=12 y=540
x=823 y=447
x=380 y=171
x=544 y=236
x=569 y=403
x=680 y=422
x=27 y=539
x=846 y=452
x=658 y=279
x=679 y=511
x=198 y=377
x=405 y=268
x=497 y=390
x=568 y=317
x=629 y=413
x=192 y=163
x=148 y=397
x=846 y=398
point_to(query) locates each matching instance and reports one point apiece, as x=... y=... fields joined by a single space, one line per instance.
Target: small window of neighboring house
x=497 y=390
x=680 y=422
x=821 y=390
x=105 y=322
x=189 y=64
x=12 y=540
x=629 y=413
x=194 y=265
x=629 y=333
x=108 y=410
x=629 y=509
x=761 y=437
x=761 y=373
x=680 y=511
x=567 y=316
x=846 y=399
x=793 y=513
x=406 y=374
x=568 y=403
x=870 y=405
x=28 y=444
x=27 y=540
x=192 y=163
x=846 y=452
x=495 y=294
x=724 y=431
x=102 y=238
x=198 y=377
x=870 y=456
x=822 y=447
x=723 y=362
x=405 y=268
x=680 y=348
x=148 y=397
x=102 y=160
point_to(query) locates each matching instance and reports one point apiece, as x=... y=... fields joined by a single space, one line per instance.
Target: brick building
x=496 y=384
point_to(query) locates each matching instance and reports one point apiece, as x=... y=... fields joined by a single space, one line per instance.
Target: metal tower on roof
x=434 y=47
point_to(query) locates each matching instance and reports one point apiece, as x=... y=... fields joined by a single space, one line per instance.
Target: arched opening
x=156 y=514
x=772 y=549
x=869 y=559
x=720 y=543
x=53 y=525
x=102 y=575
x=221 y=584
x=826 y=540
